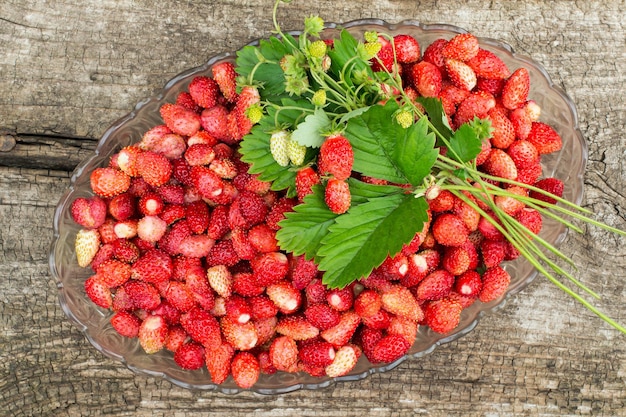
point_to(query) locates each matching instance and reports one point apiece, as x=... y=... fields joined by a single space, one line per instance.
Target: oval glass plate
x=558 y=110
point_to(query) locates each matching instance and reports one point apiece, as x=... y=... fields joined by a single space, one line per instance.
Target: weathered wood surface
x=68 y=69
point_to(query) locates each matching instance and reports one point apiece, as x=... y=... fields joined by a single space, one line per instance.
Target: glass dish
x=558 y=110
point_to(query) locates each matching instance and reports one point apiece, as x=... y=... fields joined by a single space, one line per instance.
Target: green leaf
x=384 y=149
x=343 y=60
x=303 y=229
x=361 y=239
x=464 y=144
x=353 y=113
x=309 y=132
x=437 y=116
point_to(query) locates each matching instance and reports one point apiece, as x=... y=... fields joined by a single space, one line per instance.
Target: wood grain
x=69 y=69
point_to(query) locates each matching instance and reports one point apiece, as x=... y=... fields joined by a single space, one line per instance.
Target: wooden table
x=68 y=69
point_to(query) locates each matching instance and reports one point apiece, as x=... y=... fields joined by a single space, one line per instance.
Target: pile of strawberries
x=181 y=238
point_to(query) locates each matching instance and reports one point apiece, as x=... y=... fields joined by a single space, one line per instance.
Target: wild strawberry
x=296 y=327
x=531 y=219
x=218 y=360
x=179 y=119
x=487 y=228
x=180 y=296
x=551 y=185
x=247 y=98
x=261 y=307
x=306 y=178
x=317 y=353
x=433 y=54
x=105 y=253
x=242 y=244
x=461 y=47
x=492 y=86
x=90 y=212
x=451 y=96
x=152 y=334
x=245 y=284
x=367 y=303
x=238 y=309
x=336 y=157
x=404 y=327
x=283 y=353
x=379 y=321
x=154 y=168
x=190 y=356
x=486 y=64
x=468 y=284
x=204 y=91
x=173 y=193
x=214 y=121
x=435 y=286
x=500 y=164
x=466 y=212
x=171 y=146
x=477 y=104
x=278 y=147
x=153 y=136
x=207 y=182
x=442 y=201
x=218 y=223
x=394 y=268
x=201 y=327
x=407 y=49
x=322 y=316
x=184 y=99
x=225 y=76
x=418 y=269
x=545 y=138
x=224 y=168
x=150 y=204
x=199 y=154
x=222 y=253
x=315 y=291
x=265 y=329
x=125 y=323
x=269 y=268
x=522 y=123
x=245 y=369
x=285 y=296
x=142 y=294
x=443 y=316
x=530 y=173
x=384 y=59
x=523 y=153
x=389 y=348
x=176 y=337
x=114 y=273
x=344 y=361
x=503 y=133
x=108 y=182
x=86 y=246
x=493 y=252
x=263 y=238
x=509 y=203
x=398 y=300
x=196 y=246
x=126 y=229
x=302 y=271
x=154 y=266
x=449 y=230
x=242 y=336
x=98 y=292
x=337 y=195
x=341 y=299
x=515 y=89
x=460 y=74
x=252 y=207
x=127 y=159
x=151 y=228
x=495 y=283
x=343 y=331
x=456 y=260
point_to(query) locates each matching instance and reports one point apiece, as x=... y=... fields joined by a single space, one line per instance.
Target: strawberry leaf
x=464 y=145
x=361 y=239
x=384 y=149
x=310 y=131
x=437 y=115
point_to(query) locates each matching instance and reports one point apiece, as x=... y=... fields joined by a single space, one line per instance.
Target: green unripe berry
x=404 y=118
x=319 y=98
x=317 y=49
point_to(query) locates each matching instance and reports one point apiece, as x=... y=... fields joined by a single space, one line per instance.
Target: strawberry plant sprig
x=312 y=89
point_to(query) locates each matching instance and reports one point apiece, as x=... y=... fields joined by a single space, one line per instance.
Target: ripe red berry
x=336 y=157
x=337 y=195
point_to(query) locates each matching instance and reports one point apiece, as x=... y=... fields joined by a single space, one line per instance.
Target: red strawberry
x=207 y=182
x=404 y=327
x=199 y=154
x=89 y=212
x=315 y=291
x=461 y=47
x=509 y=203
x=180 y=296
x=486 y=64
x=263 y=238
x=248 y=97
x=426 y=78
x=318 y=353
x=252 y=207
x=176 y=337
x=222 y=253
x=407 y=49
x=114 y=273
x=466 y=212
x=503 y=133
x=285 y=296
x=523 y=153
x=218 y=360
x=500 y=164
x=214 y=121
x=104 y=253
x=384 y=58
x=515 y=89
x=204 y=91
x=493 y=252
x=460 y=74
x=196 y=246
x=154 y=266
x=468 y=284
x=449 y=230
x=495 y=283
x=224 y=168
x=553 y=186
x=242 y=336
x=225 y=76
x=151 y=228
x=306 y=178
x=492 y=86
x=265 y=329
x=398 y=300
x=389 y=348
x=152 y=334
x=270 y=268
x=522 y=123
x=341 y=299
x=184 y=99
x=284 y=353
x=86 y=245
x=379 y=321
x=337 y=195
x=154 y=168
x=218 y=223
x=322 y=316
x=261 y=307
x=336 y=157
x=531 y=219
x=435 y=286
x=296 y=327
x=190 y=356
x=108 y=182
x=245 y=284
x=142 y=294
x=345 y=360
x=201 y=327
x=245 y=369
x=394 y=268
x=488 y=229
x=179 y=119
x=456 y=260
x=302 y=272
x=545 y=138
x=127 y=159
x=477 y=104
x=451 y=96
x=126 y=323
x=238 y=309
x=368 y=303
x=341 y=333
x=150 y=204
x=443 y=316
x=433 y=53
x=98 y=292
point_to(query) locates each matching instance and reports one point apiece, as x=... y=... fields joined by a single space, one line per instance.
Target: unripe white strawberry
x=296 y=152
x=278 y=147
x=86 y=245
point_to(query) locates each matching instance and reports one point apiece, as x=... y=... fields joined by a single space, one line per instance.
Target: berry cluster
x=182 y=238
